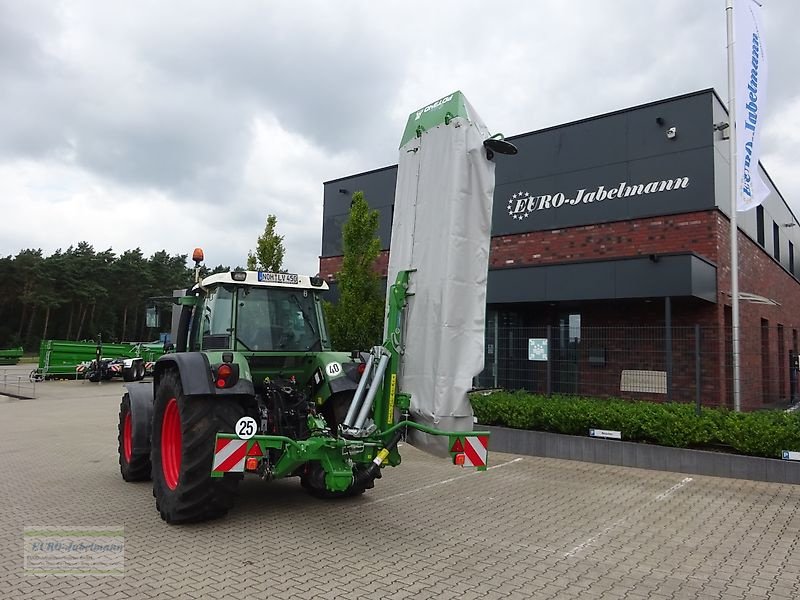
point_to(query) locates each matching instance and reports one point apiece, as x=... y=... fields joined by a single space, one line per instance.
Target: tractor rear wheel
x=133 y=466
x=182 y=453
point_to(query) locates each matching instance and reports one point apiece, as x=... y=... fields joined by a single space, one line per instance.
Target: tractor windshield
x=276 y=319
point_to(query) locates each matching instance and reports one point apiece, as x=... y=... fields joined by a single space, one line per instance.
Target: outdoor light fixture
x=724 y=129
x=342 y=191
x=497 y=143
x=672 y=133
x=660 y=120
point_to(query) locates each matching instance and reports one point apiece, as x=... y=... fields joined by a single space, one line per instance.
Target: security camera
x=672 y=132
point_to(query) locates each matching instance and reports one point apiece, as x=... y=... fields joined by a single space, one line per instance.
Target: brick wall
x=693 y=232
x=706 y=234
x=761 y=371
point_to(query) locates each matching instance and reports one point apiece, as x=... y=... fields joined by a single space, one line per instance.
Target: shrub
x=763 y=433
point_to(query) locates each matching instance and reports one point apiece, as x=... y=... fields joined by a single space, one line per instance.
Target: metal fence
x=16 y=385
x=680 y=364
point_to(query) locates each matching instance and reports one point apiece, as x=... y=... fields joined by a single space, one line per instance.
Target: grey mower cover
x=442 y=228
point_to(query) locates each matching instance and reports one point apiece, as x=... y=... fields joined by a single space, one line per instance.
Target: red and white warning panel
x=229 y=456
x=470 y=451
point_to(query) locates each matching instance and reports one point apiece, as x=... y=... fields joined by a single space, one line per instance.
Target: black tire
x=134 y=467
x=313 y=481
x=129 y=374
x=141 y=370
x=196 y=495
x=313 y=475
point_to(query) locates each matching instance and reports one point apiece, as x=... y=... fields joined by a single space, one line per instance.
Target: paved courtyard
x=527 y=528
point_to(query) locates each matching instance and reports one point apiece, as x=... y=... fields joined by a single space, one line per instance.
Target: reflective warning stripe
x=475 y=449
x=229 y=455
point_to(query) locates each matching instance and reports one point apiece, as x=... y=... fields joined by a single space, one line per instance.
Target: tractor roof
x=264 y=279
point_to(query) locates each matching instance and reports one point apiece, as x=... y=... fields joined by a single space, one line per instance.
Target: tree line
x=79 y=292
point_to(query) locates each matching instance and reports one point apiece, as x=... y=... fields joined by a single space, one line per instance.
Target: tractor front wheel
x=133 y=466
x=182 y=452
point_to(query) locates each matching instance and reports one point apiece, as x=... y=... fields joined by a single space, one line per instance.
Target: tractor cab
x=273 y=321
x=257 y=312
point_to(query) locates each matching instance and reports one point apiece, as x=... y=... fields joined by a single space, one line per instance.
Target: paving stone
x=529 y=528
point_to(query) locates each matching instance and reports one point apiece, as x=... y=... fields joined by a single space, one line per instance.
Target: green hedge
x=763 y=433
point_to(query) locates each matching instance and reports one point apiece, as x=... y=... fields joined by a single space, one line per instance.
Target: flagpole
x=737 y=403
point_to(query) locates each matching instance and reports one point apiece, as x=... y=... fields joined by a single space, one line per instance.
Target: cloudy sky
x=168 y=125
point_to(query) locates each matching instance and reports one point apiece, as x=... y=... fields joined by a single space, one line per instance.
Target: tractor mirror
x=152 y=317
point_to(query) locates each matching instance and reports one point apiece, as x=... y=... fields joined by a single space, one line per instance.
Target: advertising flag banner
x=750 y=77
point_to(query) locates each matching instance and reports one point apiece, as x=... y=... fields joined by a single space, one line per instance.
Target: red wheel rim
x=127 y=442
x=171 y=444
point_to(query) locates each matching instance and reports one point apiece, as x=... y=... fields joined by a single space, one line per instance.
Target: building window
x=791 y=258
x=776 y=241
x=760 y=224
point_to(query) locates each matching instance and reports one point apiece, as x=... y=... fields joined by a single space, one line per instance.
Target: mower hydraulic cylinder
x=373 y=391
x=355 y=403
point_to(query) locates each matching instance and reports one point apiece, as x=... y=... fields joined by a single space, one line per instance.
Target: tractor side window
x=216 y=319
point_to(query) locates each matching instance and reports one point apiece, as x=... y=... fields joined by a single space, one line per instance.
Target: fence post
x=668 y=343
x=496 y=366
x=549 y=363
x=697 y=388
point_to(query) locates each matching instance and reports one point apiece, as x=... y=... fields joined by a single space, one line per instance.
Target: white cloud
x=171 y=125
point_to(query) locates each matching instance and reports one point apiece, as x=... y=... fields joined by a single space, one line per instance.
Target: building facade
x=610 y=240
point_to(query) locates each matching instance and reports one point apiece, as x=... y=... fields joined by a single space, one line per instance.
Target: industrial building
x=610 y=242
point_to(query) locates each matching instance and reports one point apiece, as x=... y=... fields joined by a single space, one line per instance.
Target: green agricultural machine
x=68 y=360
x=254 y=388
x=10 y=356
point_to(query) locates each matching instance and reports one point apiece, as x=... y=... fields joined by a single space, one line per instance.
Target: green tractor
x=253 y=388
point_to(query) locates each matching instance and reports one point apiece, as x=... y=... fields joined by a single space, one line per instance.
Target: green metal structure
x=254 y=387
x=61 y=358
x=10 y=356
